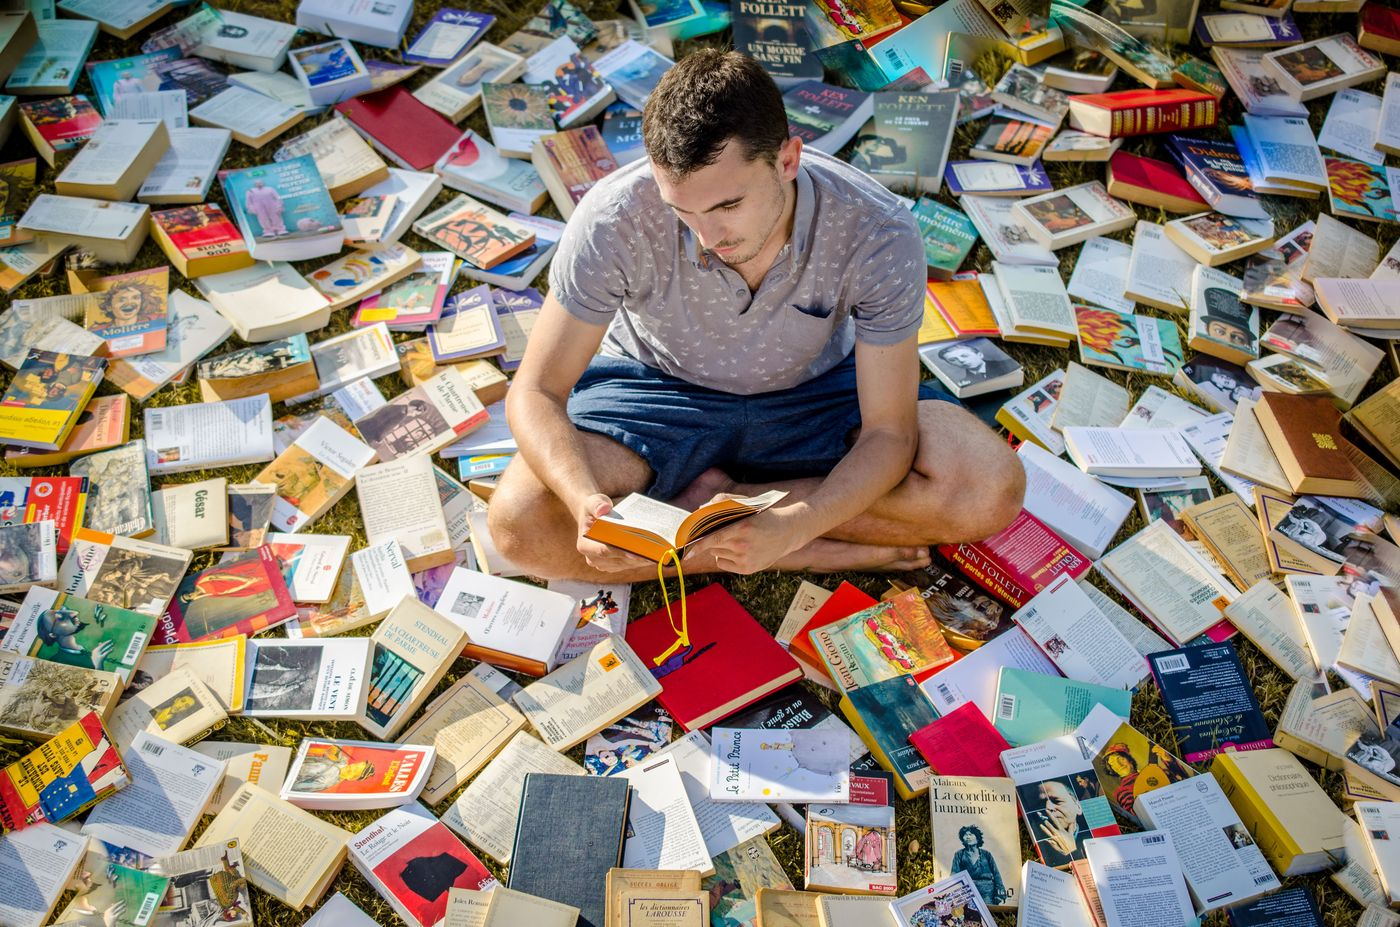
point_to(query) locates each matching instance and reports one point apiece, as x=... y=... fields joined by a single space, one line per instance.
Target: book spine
x=1151 y=118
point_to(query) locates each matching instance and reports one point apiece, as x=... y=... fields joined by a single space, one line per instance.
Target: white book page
x=170 y=787
x=1287 y=149
x=1353 y=125
x=244 y=111
x=724 y=825
x=662 y=830
x=1101 y=274
x=1387 y=124
x=383 y=575
x=1140 y=880
x=1163 y=576
x=1157 y=408
x=1160 y=271
x=1082 y=642
x=1036 y=297
x=1088 y=399
x=1051 y=898
x=195 y=330
x=1078 y=507
x=169 y=106
x=1248 y=452
x=41 y=857
x=76 y=215
x=641 y=512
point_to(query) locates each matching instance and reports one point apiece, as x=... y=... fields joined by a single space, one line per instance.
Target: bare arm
x=887 y=378
x=558 y=352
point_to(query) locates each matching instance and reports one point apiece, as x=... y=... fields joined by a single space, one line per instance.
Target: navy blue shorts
x=682 y=430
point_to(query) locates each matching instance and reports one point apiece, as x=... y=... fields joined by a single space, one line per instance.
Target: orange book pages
x=963 y=306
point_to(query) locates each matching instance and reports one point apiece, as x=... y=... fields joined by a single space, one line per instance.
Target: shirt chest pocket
x=806 y=327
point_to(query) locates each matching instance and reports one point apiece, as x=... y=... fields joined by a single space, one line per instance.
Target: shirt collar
x=802 y=229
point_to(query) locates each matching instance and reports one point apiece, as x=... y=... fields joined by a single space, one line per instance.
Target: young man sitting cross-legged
x=757 y=307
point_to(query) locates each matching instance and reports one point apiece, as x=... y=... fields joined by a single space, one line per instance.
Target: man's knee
x=521 y=520
x=966 y=499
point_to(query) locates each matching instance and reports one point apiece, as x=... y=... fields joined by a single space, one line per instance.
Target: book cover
x=962 y=742
x=1216 y=170
x=579 y=158
x=723 y=662
x=513 y=624
x=775 y=35
x=476 y=233
x=240 y=596
x=815 y=109
x=414 y=301
x=119 y=495
x=63 y=123
x=1141 y=112
x=1018 y=561
x=1295 y=824
x=129 y=311
x=59 y=499
x=447 y=36
x=1018 y=141
x=885 y=715
x=306 y=679
x=45 y=398
x=412 y=650
x=1305 y=434
x=281 y=201
x=39 y=698
x=1031 y=706
x=314 y=473
x=1127 y=341
x=955 y=898
x=913 y=132
x=949 y=236
x=1130 y=765
x=355 y=774
x=115 y=570
x=69 y=773
x=784 y=764
x=1210 y=700
x=974 y=830
x=1060 y=800
x=850 y=849
x=79 y=632
x=889 y=639
x=968 y=616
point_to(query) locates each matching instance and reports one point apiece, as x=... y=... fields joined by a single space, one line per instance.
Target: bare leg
x=965 y=485
x=533 y=529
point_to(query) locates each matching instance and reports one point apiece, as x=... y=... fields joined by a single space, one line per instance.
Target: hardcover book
x=722 y=664
x=1126 y=113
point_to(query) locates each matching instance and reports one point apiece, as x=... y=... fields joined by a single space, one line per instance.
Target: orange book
x=844 y=602
x=964 y=306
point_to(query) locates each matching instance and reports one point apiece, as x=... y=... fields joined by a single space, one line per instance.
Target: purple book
x=525 y=304
x=447 y=36
x=1282 y=31
x=994 y=178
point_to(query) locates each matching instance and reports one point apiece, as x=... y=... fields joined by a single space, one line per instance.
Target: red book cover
x=242 y=596
x=731 y=661
x=59 y=499
x=200 y=231
x=1380 y=21
x=1018 y=561
x=844 y=602
x=1145 y=112
x=401 y=127
x=961 y=743
x=1137 y=172
x=416 y=862
x=63 y=122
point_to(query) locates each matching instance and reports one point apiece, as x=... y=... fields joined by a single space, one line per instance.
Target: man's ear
x=789 y=157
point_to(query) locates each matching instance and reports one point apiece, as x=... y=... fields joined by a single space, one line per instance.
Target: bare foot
x=824 y=555
x=704 y=488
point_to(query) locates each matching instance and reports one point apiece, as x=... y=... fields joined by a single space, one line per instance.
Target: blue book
x=281 y=204
x=622 y=132
x=1292 y=907
x=994 y=178
x=122 y=77
x=885 y=713
x=526 y=305
x=448 y=36
x=1031 y=707
x=1210 y=701
x=1217 y=171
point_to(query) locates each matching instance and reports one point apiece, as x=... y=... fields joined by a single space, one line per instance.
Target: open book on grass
x=650 y=528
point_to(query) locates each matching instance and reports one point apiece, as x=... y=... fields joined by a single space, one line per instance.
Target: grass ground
x=766 y=595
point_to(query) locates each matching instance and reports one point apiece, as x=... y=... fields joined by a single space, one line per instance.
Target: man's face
x=1231 y=334
x=964 y=356
x=1060 y=804
x=734 y=205
x=125 y=305
x=1222 y=380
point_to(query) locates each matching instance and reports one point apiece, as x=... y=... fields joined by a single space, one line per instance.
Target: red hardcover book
x=1150 y=182
x=961 y=743
x=1142 y=112
x=244 y=595
x=400 y=127
x=1018 y=561
x=844 y=602
x=1380 y=29
x=731 y=661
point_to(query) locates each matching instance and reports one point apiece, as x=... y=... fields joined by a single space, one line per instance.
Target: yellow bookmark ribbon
x=682 y=632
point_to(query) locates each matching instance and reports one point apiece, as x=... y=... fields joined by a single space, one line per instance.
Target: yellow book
x=963 y=305
x=934 y=329
x=46 y=397
x=1296 y=826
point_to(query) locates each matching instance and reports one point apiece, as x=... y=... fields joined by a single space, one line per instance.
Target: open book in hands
x=649 y=528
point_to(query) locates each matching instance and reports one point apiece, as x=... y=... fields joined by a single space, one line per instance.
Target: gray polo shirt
x=853 y=269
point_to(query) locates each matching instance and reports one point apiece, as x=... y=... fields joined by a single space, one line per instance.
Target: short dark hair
x=972 y=829
x=706 y=99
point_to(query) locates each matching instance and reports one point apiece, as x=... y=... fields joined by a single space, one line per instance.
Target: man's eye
x=730 y=207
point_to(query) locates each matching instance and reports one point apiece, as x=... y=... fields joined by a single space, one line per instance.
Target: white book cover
x=1157 y=408
x=662 y=832
x=188 y=167
x=412 y=192
x=331 y=71
x=80 y=216
x=170 y=788
x=339 y=911
x=1223 y=865
x=1080 y=640
x=1287 y=150
x=1078 y=507
x=1387 y=125
x=279 y=86
x=244 y=112
x=195 y=329
x=41 y=857
x=1313 y=69
x=1125 y=453
x=545 y=66
x=109 y=154
x=382 y=575
x=334 y=456
x=508 y=616
x=456 y=90
x=322 y=679
x=485 y=814
x=1089 y=399
x=600 y=610
x=1036 y=298
x=1034 y=407
x=723 y=824
x=1208 y=438
x=193 y=516
x=1009 y=239
x=1159 y=273
x=57 y=58
x=365 y=352
x=399 y=499
x=311 y=563
x=1246 y=74
x=1378 y=819
x=1051 y=898
x=1139 y=879
x=1101 y=273
x=974 y=677
x=122 y=15
x=205 y=435
x=373 y=22
x=1353 y=126
x=247 y=41
x=780 y=765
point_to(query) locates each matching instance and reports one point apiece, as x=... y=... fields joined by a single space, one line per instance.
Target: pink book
x=961 y=743
x=1019 y=560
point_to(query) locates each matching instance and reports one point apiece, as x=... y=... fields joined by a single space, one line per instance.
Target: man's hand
x=753 y=544
x=100 y=653
x=602 y=557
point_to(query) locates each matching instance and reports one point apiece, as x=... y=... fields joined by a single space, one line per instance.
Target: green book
x=79 y=632
x=949 y=236
x=1032 y=707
